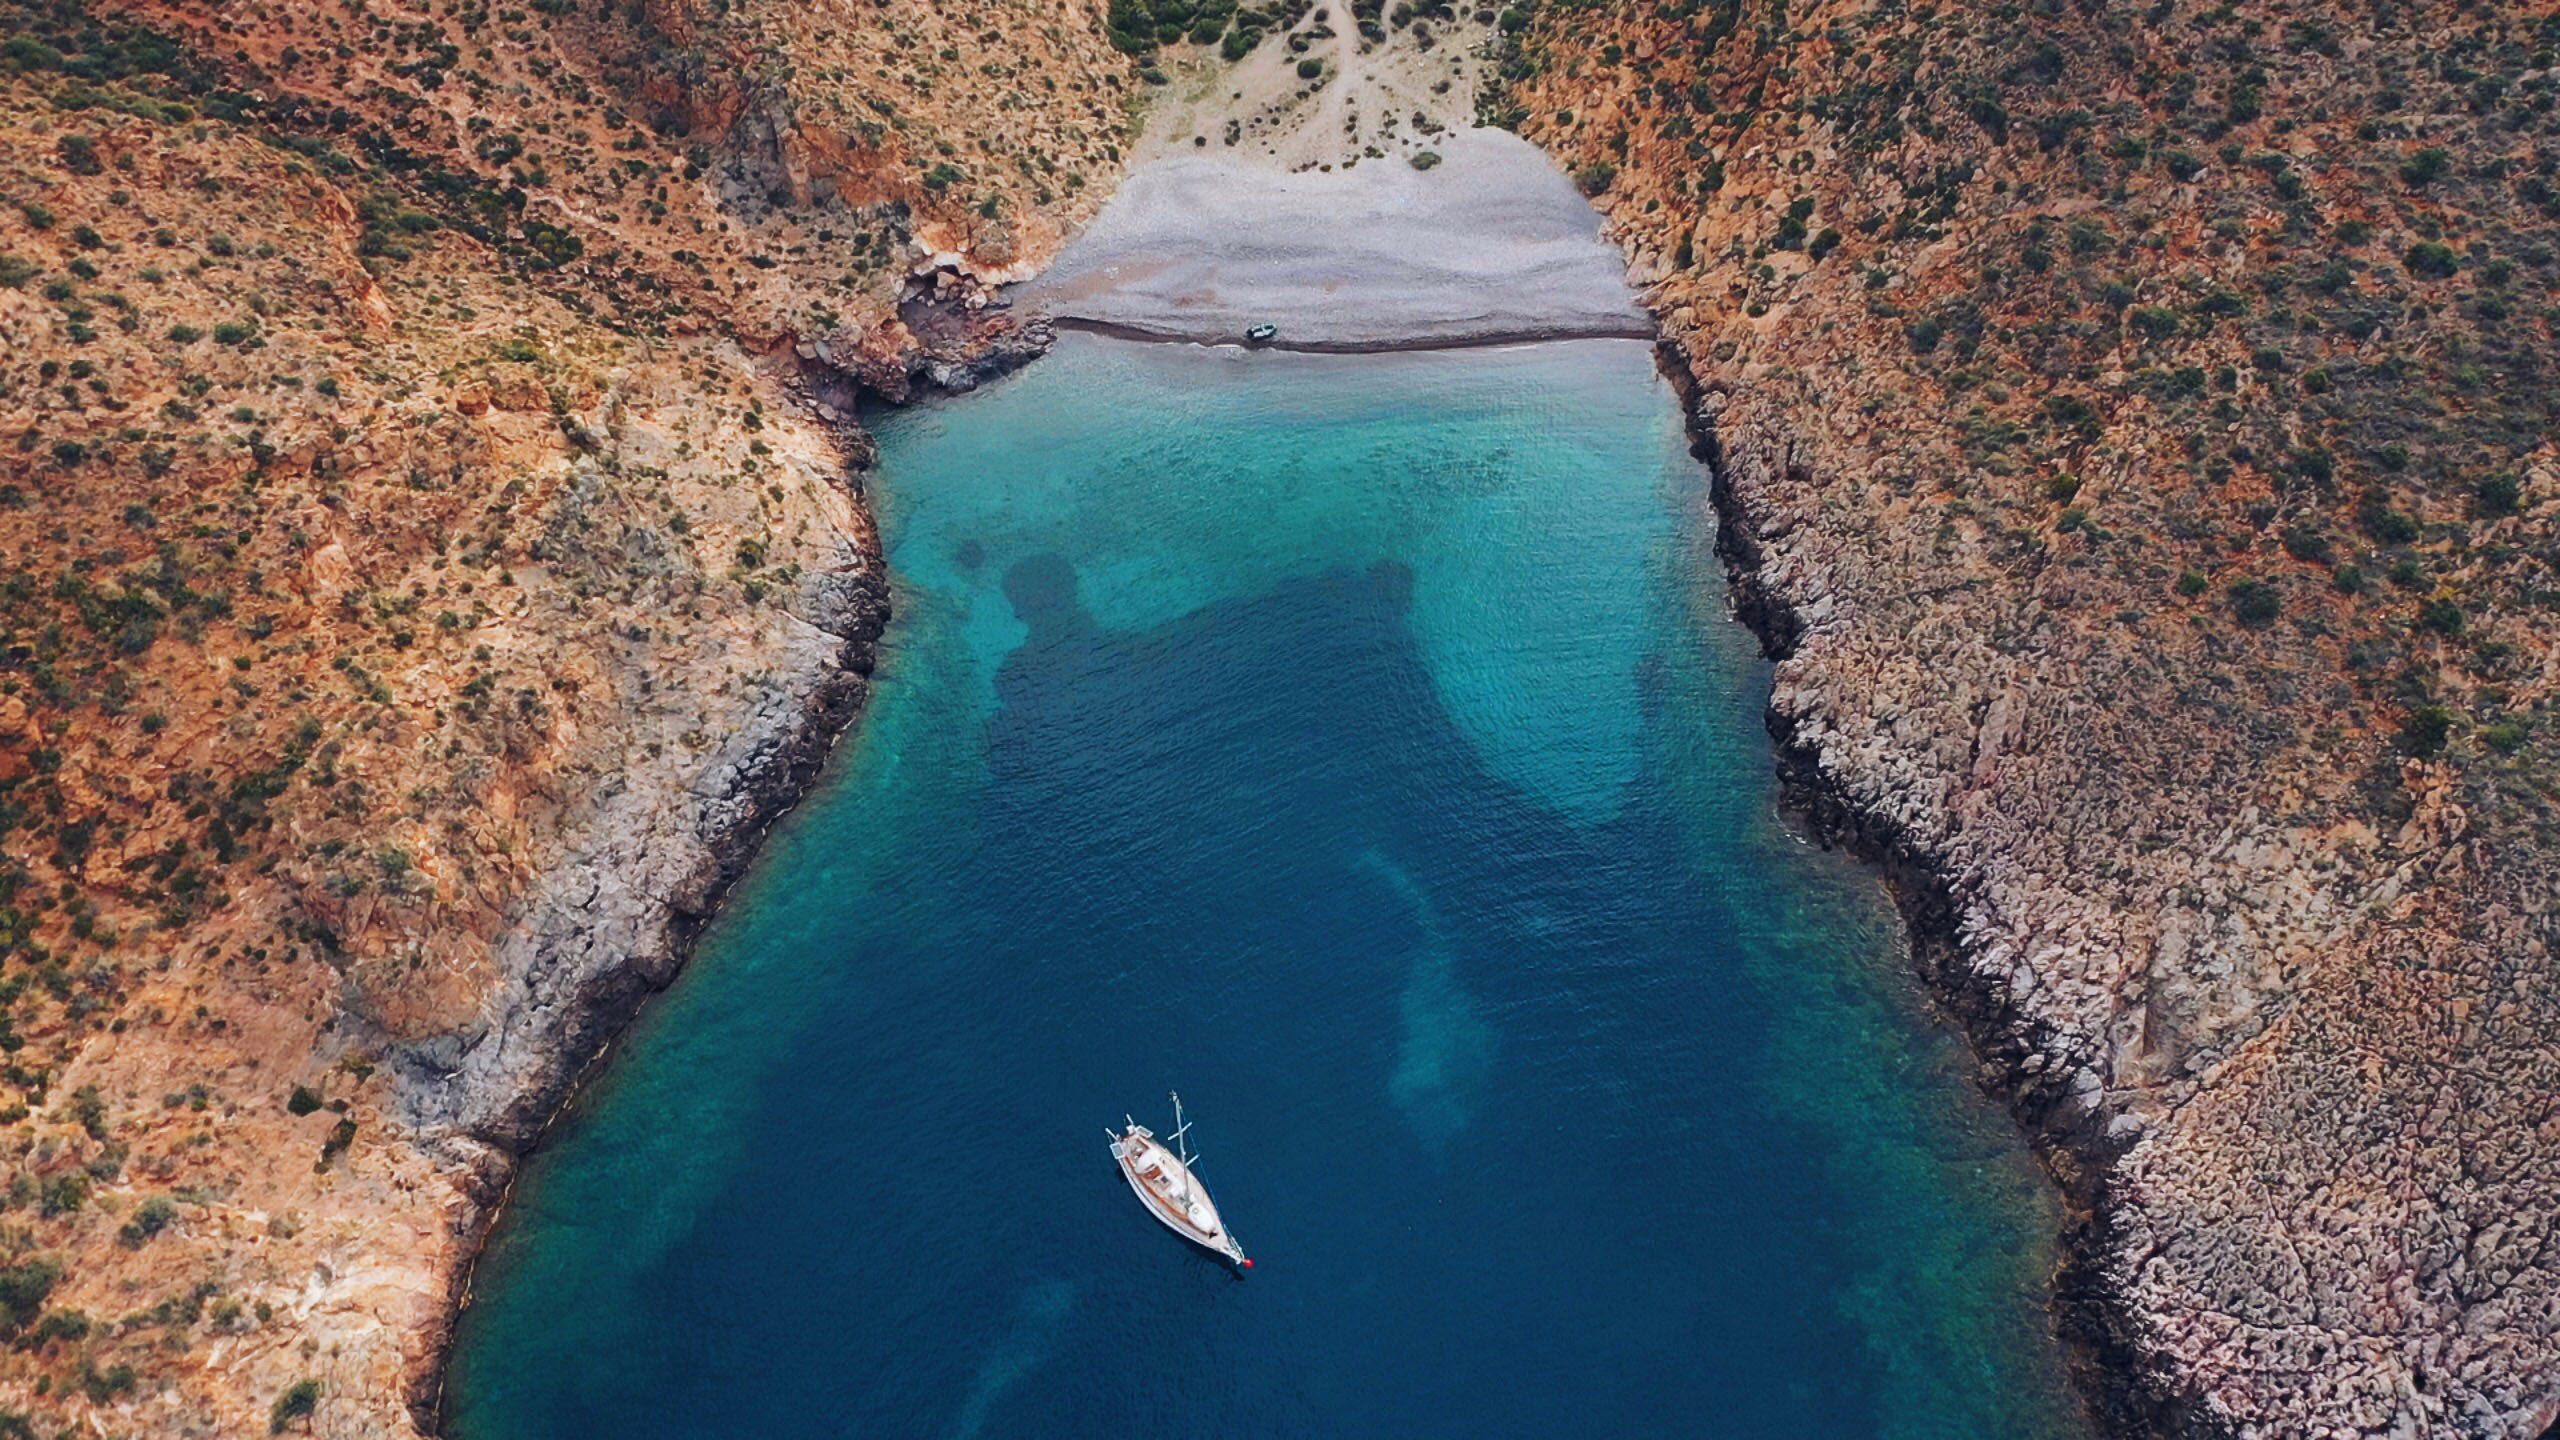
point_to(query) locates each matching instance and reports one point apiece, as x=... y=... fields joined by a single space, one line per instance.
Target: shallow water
x=1357 y=745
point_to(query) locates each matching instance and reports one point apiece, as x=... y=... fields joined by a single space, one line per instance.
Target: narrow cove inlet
x=1387 y=719
x=1357 y=744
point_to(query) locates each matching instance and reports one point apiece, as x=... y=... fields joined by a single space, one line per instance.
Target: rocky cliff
x=2135 y=432
x=431 y=552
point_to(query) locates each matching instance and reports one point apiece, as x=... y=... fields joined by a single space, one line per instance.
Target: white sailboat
x=1168 y=1186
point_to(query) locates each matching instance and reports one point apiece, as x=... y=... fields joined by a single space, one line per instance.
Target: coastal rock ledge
x=2268 y=1223
x=2134 y=433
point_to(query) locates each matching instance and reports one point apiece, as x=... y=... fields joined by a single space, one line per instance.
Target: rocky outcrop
x=658 y=842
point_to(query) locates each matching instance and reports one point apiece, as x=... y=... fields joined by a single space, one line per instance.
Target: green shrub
x=79 y=155
x=63 y=1195
x=303 y=1101
x=15 y=271
x=2156 y=322
x=2506 y=737
x=1424 y=159
x=29 y=53
x=90 y=1109
x=2191 y=584
x=61 y=1325
x=294 y=1404
x=2424 y=733
x=1310 y=68
x=185 y=334
x=2426 y=167
x=149 y=1218
x=1133 y=26
x=2440 y=615
x=2347 y=580
x=2307 y=544
x=2500 y=494
x=2072 y=412
x=1924 y=334
x=2255 y=602
x=23 y=1286
x=2379 y=520
x=2430 y=260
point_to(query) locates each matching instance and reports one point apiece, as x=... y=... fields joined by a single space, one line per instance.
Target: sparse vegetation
x=299 y=1401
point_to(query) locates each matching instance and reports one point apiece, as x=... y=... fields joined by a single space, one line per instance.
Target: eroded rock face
x=2134 y=437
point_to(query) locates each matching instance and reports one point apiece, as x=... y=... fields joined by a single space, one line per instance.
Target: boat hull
x=1172 y=1193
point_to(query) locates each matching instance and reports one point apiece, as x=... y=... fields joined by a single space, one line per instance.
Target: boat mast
x=1180 y=1128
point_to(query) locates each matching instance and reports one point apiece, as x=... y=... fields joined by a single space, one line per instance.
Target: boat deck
x=1171 y=1192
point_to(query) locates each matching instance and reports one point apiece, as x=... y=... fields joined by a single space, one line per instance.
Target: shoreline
x=614 y=1000
x=2097 y=1363
x=2101 y=1364
x=1470 y=341
x=2246 y=883
x=1694 y=582
x=609 y=1011
x=495 y=1145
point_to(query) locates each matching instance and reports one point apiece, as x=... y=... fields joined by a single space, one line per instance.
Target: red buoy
x=1246 y=1263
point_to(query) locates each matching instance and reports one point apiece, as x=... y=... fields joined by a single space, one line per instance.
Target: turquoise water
x=1357 y=745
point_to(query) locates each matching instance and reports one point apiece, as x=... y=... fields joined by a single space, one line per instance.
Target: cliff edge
x=2135 y=433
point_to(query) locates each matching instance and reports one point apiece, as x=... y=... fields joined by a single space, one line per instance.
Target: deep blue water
x=1355 y=744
